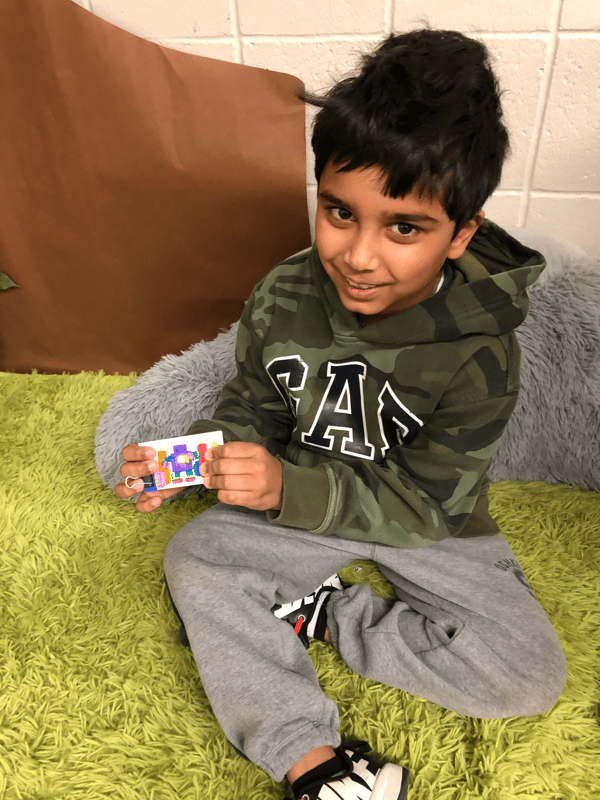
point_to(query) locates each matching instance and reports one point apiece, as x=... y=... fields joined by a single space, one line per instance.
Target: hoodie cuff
x=306 y=496
x=200 y=426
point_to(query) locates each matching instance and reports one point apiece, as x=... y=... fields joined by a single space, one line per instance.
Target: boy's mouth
x=361 y=285
x=361 y=291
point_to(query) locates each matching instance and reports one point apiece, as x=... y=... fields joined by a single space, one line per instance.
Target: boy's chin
x=368 y=312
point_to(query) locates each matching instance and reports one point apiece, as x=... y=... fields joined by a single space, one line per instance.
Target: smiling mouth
x=361 y=285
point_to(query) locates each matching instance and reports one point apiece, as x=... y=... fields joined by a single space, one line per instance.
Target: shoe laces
x=357 y=746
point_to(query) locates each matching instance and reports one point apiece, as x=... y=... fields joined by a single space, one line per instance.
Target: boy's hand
x=140 y=461
x=245 y=474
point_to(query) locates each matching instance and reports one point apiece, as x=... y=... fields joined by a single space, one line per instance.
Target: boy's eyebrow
x=413 y=218
x=331 y=198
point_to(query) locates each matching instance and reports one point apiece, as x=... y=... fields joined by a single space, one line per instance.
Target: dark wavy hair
x=425 y=108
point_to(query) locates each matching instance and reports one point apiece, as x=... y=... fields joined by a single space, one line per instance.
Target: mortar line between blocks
x=564 y=193
x=536 y=137
x=234 y=12
x=325 y=38
x=388 y=16
x=347 y=36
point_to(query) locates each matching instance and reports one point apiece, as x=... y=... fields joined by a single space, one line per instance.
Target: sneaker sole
x=391 y=783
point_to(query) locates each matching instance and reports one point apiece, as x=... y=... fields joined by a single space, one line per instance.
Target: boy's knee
x=537 y=681
x=183 y=549
x=550 y=680
x=170 y=559
x=521 y=677
x=176 y=551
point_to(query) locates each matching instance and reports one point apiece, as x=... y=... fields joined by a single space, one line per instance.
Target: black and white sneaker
x=357 y=776
x=308 y=615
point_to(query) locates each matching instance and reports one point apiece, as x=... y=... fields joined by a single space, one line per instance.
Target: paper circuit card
x=179 y=459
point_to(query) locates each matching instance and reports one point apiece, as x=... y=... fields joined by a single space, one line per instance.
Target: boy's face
x=383 y=254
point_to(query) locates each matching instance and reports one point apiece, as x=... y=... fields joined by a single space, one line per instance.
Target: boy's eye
x=340 y=213
x=403 y=228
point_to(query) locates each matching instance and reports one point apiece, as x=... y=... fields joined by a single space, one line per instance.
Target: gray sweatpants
x=465 y=632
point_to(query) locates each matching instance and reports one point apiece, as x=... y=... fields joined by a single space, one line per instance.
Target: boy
x=375 y=377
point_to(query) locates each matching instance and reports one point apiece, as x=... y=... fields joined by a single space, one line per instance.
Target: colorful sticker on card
x=179 y=459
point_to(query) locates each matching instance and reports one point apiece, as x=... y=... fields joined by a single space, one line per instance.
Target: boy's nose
x=360 y=254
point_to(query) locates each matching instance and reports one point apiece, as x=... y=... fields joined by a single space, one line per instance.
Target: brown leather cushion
x=144 y=191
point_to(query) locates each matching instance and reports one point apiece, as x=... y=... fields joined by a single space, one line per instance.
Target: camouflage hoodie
x=385 y=431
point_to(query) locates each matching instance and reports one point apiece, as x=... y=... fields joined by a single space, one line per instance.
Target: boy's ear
x=458 y=245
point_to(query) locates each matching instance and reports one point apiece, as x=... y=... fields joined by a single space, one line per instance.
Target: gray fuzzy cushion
x=164 y=401
x=553 y=434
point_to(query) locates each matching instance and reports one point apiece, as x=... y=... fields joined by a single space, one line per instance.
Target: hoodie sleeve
x=434 y=488
x=251 y=409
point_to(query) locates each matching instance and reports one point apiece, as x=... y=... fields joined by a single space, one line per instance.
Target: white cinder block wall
x=547 y=56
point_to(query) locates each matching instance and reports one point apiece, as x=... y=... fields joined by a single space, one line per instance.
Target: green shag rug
x=97 y=699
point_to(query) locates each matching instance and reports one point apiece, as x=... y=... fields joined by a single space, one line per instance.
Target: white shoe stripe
x=288 y=608
x=389 y=782
x=327 y=793
x=361 y=768
x=344 y=788
x=349 y=788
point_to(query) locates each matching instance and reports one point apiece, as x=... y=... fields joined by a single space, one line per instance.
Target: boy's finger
x=231 y=483
x=226 y=466
x=214 y=452
x=133 y=452
x=149 y=501
x=123 y=491
x=233 y=450
x=138 y=469
x=146 y=500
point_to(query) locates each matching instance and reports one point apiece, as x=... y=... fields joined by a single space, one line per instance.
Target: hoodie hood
x=488 y=295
